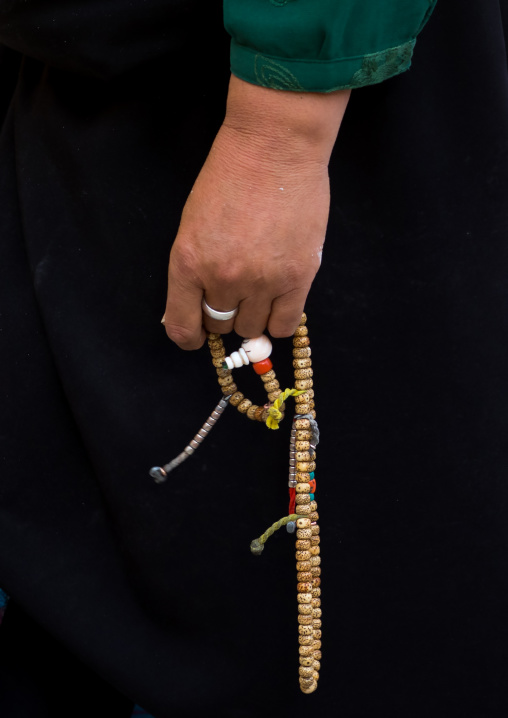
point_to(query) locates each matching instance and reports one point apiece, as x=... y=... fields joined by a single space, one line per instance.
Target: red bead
x=261 y=367
x=312 y=483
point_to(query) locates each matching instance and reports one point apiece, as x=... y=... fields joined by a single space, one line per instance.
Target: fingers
x=287 y=312
x=252 y=317
x=183 y=317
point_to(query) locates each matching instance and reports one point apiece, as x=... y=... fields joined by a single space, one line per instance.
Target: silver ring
x=214 y=314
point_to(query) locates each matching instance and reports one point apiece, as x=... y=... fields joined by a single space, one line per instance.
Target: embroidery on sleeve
x=382 y=65
x=273 y=74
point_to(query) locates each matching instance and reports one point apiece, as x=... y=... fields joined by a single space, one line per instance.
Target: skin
x=253 y=227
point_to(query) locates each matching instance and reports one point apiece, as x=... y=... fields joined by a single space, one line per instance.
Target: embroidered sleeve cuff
x=322 y=45
x=319 y=76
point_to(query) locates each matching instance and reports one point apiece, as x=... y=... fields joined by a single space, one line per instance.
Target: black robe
x=153 y=587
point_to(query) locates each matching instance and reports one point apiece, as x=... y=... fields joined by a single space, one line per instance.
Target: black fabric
x=40 y=678
x=153 y=587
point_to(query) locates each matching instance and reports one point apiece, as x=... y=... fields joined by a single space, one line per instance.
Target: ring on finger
x=215 y=314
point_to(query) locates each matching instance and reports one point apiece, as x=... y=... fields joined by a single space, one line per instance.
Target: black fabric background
x=153 y=587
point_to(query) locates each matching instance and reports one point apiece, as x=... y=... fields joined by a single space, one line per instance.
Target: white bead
x=244 y=356
x=258 y=348
x=236 y=359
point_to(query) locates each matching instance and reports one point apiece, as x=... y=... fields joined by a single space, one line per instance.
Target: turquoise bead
x=312 y=497
x=311 y=475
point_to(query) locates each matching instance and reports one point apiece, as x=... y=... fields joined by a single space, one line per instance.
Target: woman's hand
x=253 y=227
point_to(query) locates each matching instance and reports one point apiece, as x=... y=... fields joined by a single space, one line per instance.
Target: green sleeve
x=322 y=45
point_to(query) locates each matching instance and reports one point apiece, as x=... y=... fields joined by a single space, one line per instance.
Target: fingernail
x=163 y=318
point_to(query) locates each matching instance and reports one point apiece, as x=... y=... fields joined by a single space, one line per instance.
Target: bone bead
x=299 y=342
x=301 y=352
x=303 y=320
x=305 y=373
x=316 y=622
x=214 y=336
x=305 y=609
x=314 y=516
x=302 y=424
x=303 y=523
x=272 y=385
x=251 y=411
x=317 y=632
x=314 y=530
x=304 y=576
x=305 y=466
x=307 y=661
x=301 y=331
x=303 y=555
x=314 y=550
x=315 y=602
x=305 y=587
x=225 y=380
x=222 y=372
x=305 y=630
x=303 y=566
x=314 y=560
x=275 y=395
x=303 y=545
x=316 y=653
x=316 y=645
x=218 y=353
x=316 y=591
x=304 y=384
x=302 y=445
x=304 y=510
x=316 y=665
x=306 y=640
x=258 y=414
x=244 y=405
x=302 y=499
x=315 y=540
x=306 y=651
x=304 y=533
x=229 y=389
x=302 y=408
x=302 y=487
x=304 y=398
x=304 y=598
x=309 y=689
x=302 y=363
x=306 y=620
x=305 y=682
x=313 y=505
x=215 y=344
x=236 y=398
x=306 y=672
x=315 y=570
x=303 y=435
x=303 y=456
x=218 y=361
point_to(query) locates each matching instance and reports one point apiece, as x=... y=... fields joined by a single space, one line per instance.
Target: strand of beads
x=307 y=529
x=224 y=365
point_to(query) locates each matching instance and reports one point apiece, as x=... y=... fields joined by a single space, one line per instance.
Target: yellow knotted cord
x=257 y=546
x=274 y=412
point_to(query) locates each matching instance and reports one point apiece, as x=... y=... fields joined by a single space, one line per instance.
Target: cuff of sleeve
x=316 y=75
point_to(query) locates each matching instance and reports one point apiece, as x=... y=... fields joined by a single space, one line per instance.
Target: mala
x=302 y=515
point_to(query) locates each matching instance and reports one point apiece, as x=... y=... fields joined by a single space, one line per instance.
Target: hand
x=253 y=227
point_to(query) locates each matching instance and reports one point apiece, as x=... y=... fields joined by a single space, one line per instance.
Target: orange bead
x=261 y=367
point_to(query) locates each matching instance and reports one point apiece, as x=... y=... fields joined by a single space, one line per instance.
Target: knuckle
x=183 y=336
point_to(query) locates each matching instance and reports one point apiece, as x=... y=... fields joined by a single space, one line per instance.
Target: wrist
x=289 y=126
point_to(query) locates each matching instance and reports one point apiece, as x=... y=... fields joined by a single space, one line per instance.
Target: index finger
x=183 y=317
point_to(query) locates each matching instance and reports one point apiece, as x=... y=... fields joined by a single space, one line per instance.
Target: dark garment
x=153 y=587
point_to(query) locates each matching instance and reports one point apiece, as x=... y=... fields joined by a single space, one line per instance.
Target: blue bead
x=311 y=497
x=311 y=475
x=290 y=527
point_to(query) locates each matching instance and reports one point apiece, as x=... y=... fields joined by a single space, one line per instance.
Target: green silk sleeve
x=322 y=45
